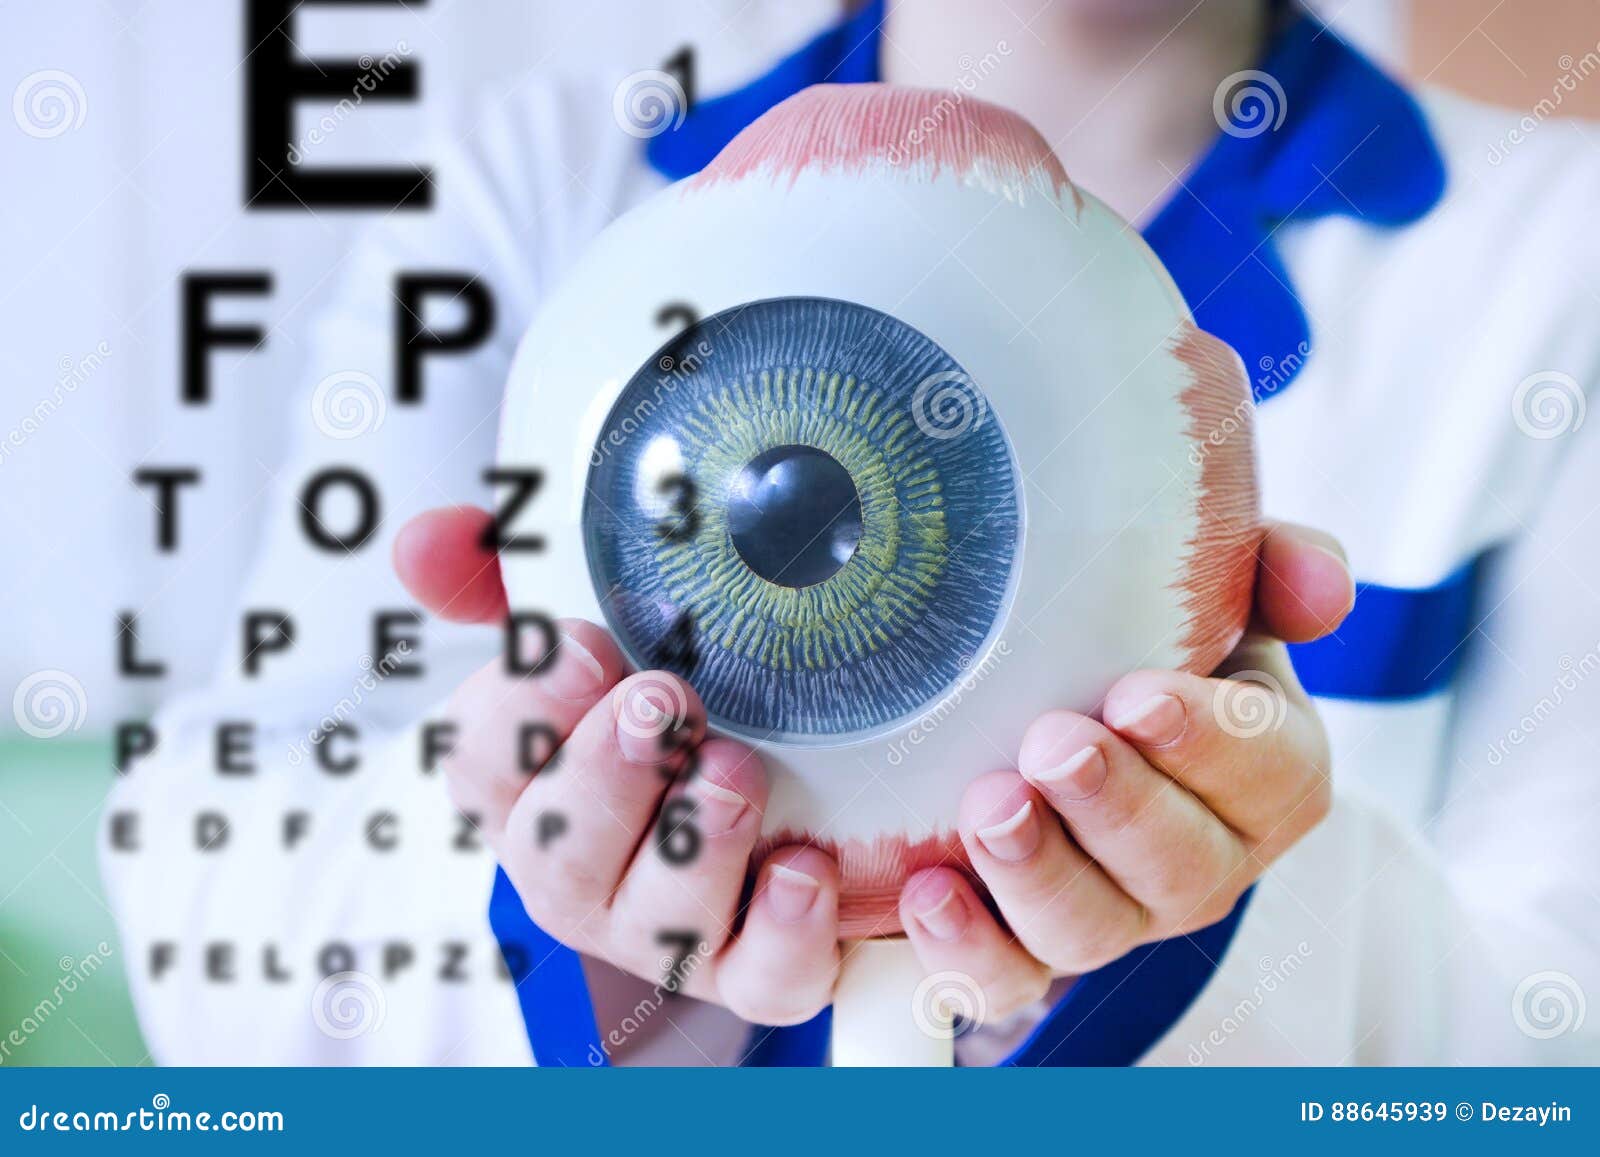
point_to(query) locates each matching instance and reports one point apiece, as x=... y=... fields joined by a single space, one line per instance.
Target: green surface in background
x=53 y=915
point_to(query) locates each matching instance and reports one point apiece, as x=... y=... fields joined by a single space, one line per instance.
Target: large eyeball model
x=889 y=439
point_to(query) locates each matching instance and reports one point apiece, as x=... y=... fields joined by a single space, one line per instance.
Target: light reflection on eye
x=661 y=460
x=785 y=530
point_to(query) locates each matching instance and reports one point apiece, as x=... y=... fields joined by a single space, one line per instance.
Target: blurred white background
x=98 y=223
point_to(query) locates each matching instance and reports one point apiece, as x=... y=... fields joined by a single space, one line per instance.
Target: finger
x=1060 y=904
x=783 y=965
x=1157 y=841
x=1303 y=584
x=1250 y=746
x=687 y=876
x=440 y=558
x=952 y=931
x=573 y=830
x=507 y=727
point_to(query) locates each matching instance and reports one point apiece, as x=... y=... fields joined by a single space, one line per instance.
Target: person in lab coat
x=1414 y=301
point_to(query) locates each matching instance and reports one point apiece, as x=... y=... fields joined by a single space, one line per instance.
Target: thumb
x=440 y=557
x=1303 y=584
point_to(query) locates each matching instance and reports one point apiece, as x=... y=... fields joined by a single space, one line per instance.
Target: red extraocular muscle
x=849 y=127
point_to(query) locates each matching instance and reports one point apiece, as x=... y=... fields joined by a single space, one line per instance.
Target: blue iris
x=806 y=508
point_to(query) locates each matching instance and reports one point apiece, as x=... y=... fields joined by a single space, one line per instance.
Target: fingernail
x=717 y=809
x=946 y=918
x=1344 y=565
x=1078 y=778
x=1013 y=839
x=790 y=893
x=1336 y=550
x=652 y=723
x=1155 y=723
x=576 y=673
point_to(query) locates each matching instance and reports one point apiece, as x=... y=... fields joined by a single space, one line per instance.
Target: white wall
x=97 y=224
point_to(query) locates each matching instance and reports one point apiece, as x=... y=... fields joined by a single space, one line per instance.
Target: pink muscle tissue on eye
x=939 y=449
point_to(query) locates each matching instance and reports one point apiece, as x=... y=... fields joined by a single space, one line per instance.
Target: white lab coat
x=1444 y=887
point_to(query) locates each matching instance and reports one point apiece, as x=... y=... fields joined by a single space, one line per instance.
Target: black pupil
x=794 y=515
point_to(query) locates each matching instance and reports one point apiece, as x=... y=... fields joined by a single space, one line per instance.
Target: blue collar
x=1351 y=142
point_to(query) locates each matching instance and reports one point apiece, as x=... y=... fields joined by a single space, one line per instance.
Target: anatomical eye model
x=935 y=448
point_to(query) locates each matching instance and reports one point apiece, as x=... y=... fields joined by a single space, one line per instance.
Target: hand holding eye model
x=932 y=538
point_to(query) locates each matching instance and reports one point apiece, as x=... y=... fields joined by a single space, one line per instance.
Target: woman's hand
x=1153 y=823
x=1111 y=836
x=632 y=844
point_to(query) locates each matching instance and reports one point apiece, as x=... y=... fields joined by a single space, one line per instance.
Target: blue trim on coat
x=1397 y=643
x=550 y=986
